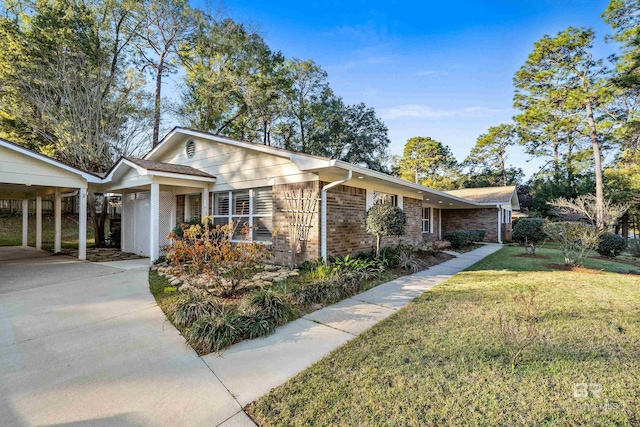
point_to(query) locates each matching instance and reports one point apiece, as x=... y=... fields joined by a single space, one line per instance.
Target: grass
x=442 y=361
x=11 y=231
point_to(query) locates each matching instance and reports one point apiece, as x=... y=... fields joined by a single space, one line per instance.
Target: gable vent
x=191 y=148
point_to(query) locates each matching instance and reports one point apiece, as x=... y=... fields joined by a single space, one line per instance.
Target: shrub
x=458 y=238
x=256 y=325
x=215 y=333
x=611 y=245
x=477 y=235
x=634 y=248
x=529 y=232
x=208 y=250
x=190 y=307
x=270 y=304
x=576 y=240
x=408 y=260
x=385 y=220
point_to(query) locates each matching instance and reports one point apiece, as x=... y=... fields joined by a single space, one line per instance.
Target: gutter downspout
x=323 y=213
x=499 y=224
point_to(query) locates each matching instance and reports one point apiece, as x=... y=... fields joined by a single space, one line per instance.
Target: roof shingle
x=486 y=194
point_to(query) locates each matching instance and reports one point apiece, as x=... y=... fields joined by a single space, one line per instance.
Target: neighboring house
x=192 y=174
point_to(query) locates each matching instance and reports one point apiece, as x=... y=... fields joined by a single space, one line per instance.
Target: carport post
x=204 y=203
x=38 y=222
x=154 y=217
x=25 y=222
x=57 y=241
x=82 y=227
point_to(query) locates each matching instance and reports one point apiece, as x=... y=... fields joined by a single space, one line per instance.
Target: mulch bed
x=565 y=267
x=618 y=260
x=468 y=248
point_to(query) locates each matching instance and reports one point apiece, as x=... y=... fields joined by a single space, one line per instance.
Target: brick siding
x=471 y=219
x=307 y=250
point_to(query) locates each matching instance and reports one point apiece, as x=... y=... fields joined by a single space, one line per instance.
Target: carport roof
x=168 y=167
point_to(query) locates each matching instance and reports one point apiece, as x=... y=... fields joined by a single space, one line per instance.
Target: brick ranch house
x=192 y=174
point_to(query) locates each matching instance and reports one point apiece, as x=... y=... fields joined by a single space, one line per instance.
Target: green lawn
x=11 y=231
x=443 y=361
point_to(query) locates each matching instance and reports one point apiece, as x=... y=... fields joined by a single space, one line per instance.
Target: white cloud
x=417 y=111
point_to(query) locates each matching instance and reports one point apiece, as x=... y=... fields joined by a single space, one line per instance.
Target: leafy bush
x=408 y=260
x=611 y=245
x=190 y=307
x=529 y=232
x=208 y=250
x=459 y=238
x=270 y=304
x=634 y=248
x=385 y=220
x=576 y=240
x=477 y=235
x=215 y=333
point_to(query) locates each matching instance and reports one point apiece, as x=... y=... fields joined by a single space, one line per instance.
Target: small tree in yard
x=385 y=220
x=529 y=232
x=576 y=240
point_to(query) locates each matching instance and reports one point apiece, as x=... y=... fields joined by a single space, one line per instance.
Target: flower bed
x=217 y=293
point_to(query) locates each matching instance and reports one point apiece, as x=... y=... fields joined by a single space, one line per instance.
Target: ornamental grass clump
x=215 y=333
x=270 y=304
x=192 y=306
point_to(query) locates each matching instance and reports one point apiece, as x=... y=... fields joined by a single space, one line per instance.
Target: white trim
x=369 y=199
x=123 y=236
x=439 y=223
x=431 y=220
x=400 y=200
x=204 y=203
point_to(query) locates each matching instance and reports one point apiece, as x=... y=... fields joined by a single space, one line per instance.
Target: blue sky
x=438 y=69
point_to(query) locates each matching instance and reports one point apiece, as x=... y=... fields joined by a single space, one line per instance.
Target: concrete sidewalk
x=250 y=369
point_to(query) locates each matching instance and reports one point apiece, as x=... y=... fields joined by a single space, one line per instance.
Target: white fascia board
x=88 y=176
x=398 y=181
x=143 y=171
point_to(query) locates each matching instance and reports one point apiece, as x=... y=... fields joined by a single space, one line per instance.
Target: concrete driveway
x=85 y=344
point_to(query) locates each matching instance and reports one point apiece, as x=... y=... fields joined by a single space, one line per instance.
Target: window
x=426 y=220
x=385 y=199
x=194 y=207
x=252 y=207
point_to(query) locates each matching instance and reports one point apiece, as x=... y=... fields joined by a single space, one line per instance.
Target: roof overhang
x=123 y=164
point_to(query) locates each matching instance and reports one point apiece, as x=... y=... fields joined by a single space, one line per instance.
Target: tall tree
x=563 y=67
x=428 y=162
x=161 y=27
x=352 y=133
x=490 y=151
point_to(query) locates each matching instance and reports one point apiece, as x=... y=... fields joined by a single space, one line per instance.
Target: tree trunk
x=556 y=163
x=625 y=226
x=597 y=158
x=503 y=170
x=569 y=163
x=156 y=111
x=98 y=221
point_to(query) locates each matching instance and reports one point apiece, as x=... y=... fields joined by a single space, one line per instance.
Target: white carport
x=26 y=175
x=149 y=191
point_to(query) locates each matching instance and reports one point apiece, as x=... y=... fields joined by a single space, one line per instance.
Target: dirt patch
x=619 y=261
x=468 y=248
x=564 y=267
x=526 y=255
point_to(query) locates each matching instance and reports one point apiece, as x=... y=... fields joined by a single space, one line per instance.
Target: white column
x=57 y=214
x=204 y=203
x=154 y=216
x=431 y=219
x=123 y=218
x=499 y=224
x=25 y=222
x=439 y=224
x=38 y=222
x=187 y=208
x=82 y=224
